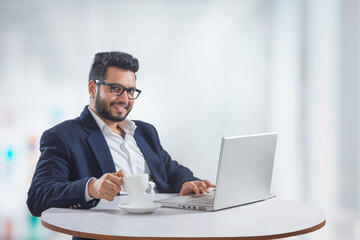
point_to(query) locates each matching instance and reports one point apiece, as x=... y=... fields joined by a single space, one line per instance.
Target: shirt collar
x=127 y=125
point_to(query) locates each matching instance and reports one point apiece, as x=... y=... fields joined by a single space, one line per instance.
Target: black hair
x=103 y=60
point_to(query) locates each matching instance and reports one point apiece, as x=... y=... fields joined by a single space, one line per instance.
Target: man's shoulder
x=67 y=126
x=144 y=127
x=143 y=124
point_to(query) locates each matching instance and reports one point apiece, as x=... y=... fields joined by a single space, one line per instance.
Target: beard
x=101 y=108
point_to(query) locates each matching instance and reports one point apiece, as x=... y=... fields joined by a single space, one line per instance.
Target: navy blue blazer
x=76 y=150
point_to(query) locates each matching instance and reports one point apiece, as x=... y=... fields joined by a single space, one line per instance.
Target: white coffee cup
x=136 y=184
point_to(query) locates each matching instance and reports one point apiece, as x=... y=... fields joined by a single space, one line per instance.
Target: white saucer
x=139 y=207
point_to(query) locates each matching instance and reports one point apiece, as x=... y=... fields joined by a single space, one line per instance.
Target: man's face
x=111 y=107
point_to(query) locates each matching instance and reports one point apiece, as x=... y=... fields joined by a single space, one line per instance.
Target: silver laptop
x=243 y=176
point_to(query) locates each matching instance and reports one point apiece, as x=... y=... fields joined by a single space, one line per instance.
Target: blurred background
x=207 y=69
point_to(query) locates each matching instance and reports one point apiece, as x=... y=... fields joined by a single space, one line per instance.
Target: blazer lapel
x=101 y=151
x=97 y=142
x=149 y=155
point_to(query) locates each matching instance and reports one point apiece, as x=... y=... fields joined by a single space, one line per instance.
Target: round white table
x=273 y=218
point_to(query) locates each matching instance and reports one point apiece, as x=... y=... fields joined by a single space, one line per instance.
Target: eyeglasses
x=117 y=89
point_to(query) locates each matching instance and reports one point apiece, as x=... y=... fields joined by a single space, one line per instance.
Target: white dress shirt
x=125 y=152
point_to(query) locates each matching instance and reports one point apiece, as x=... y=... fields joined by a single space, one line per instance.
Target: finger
x=201 y=189
x=208 y=183
x=114 y=179
x=111 y=188
x=186 y=189
x=202 y=186
x=206 y=189
x=109 y=197
x=182 y=192
x=196 y=189
x=116 y=189
x=113 y=191
x=120 y=173
x=105 y=194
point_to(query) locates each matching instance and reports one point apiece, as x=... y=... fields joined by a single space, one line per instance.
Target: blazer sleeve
x=51 y=186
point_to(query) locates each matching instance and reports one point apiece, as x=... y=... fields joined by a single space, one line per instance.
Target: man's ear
x=92 y=88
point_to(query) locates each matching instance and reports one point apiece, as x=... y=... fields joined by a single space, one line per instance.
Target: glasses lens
x=133 y=94
x=116 y=89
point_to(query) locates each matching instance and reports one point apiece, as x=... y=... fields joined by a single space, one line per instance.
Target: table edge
x=108 y=237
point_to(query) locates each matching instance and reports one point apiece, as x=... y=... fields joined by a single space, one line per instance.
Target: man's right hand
x=107 y=187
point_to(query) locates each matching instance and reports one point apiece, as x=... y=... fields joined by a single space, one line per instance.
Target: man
x=82 y=160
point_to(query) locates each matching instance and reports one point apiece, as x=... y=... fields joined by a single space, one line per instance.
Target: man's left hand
x=197 y=187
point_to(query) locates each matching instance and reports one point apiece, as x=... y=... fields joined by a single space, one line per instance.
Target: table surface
x=273 y=218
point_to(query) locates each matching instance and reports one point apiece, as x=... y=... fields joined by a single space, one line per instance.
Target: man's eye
x=116 y=88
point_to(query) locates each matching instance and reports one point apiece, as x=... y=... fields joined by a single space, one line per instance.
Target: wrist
x=91 y=190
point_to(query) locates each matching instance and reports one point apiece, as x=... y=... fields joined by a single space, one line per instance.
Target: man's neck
x=112 y=125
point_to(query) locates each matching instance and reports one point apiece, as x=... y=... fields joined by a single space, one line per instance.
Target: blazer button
x=79 y=205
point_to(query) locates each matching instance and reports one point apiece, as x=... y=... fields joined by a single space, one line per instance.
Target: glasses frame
x=112 y=85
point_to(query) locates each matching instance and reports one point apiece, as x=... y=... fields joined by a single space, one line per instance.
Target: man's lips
x=120 y=107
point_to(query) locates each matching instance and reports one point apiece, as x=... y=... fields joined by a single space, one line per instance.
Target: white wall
x=207 y=69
